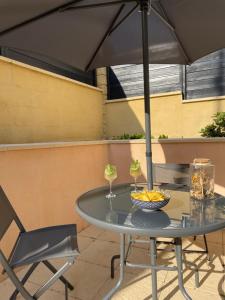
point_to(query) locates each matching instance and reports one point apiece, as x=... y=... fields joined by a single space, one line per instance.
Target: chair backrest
x=171 y=173
x=7 y=214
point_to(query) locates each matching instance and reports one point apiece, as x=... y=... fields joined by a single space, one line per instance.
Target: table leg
x=153 y=254
x=122 y=258
x=178 y=250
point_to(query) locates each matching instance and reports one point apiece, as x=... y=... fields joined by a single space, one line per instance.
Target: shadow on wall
x=117 y=91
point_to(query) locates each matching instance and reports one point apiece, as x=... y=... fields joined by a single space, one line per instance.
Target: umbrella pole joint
x=144 y=5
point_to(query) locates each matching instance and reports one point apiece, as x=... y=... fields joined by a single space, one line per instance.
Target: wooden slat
x=202 y=93
x=127 y=81
x=206 y=77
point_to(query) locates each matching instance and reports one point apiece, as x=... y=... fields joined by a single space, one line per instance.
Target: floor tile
x=135 y=286
x=141 y=256
x=211 y=282
x=109 y=236
x=90 y=274
x=91 y=231
x=48 y=295
x=87 y=279
x=100 y=253
x=84 y=242
x=215 y=237
x=7 y=288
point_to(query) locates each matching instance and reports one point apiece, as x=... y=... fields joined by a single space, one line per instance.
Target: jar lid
x=202 y=161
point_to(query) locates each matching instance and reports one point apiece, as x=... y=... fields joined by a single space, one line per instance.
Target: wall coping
x=206 y=99
x=13 y=147
x=160 y=95
x=45 y=145
x=51 y=74
x=171 y=141
x=142 y=97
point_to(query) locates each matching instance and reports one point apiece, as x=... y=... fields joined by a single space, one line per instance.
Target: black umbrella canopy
x=94 y=33
x=87 y=34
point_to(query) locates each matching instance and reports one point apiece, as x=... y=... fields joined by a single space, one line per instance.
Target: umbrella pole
x=144 y=5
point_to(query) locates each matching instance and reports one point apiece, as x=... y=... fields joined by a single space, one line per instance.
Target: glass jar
x=202 y=173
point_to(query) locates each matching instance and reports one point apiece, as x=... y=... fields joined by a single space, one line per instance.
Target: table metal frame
x=126 y=231
x=153 y=266
x=171 y=243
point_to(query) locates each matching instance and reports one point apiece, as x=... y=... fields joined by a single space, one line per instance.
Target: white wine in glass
x=135 y=172
x=110 y=174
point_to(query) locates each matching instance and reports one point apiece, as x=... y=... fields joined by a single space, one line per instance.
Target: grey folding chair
x=35 y=247
x=165 y=175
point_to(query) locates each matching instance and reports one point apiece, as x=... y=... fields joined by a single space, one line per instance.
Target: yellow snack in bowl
x=148 y=196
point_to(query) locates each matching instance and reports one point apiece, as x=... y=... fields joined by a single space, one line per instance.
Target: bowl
x=151 y=205
x=140 y=218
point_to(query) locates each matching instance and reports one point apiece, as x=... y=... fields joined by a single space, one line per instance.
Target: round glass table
x=181 y=217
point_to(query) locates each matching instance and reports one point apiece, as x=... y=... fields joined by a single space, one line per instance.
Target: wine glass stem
x=135 y=184
x=110 y=187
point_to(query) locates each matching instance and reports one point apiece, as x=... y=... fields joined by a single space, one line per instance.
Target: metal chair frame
x=160 y=176
x=8 y=215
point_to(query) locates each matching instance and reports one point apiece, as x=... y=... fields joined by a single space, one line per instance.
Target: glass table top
x=182 y=216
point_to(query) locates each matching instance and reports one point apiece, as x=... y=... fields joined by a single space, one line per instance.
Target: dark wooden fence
x=53 y=66
x=204 y=78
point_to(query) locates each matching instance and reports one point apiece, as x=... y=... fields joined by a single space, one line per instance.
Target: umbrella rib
x=42 y=15
x=105 y=36
x=163 y=19
x=168 y=24
x=103 y=4
x=124 y=18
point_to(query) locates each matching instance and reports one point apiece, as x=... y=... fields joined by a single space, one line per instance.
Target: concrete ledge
x=170 y=141
x=160 y=95
x=8 y=147
x=203 y=99
x=12 y=147
x=142 y=97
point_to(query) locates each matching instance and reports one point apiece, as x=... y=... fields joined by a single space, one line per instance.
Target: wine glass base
x=110 y=196
x=136 y=190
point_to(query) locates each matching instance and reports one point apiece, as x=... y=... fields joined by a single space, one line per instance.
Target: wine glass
x=135 y=172
x=110 y=174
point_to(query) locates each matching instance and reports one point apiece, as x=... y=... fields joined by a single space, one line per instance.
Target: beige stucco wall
x=170 y=151
x=169 y=114
x=39 y=106
x=44 y=182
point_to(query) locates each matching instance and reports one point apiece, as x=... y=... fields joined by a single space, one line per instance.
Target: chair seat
x=45 y=243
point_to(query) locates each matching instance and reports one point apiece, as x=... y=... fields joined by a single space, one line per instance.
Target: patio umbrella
x=94 y=33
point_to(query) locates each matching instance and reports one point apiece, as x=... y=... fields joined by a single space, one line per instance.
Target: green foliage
x=127 y=136
x=217 y=128
x=163 y=136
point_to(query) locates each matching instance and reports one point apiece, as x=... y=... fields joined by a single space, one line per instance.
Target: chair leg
x=66 y=291
x=54 y=271
x=24 y=280
x=14 y=278
x=54 y=278
x=206 y=245
x=113 y=264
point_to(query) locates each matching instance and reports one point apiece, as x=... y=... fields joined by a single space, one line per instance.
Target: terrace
x=37 y=168
x=91 y=273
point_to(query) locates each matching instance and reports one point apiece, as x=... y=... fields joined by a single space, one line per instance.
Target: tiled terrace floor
x=91 y=274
